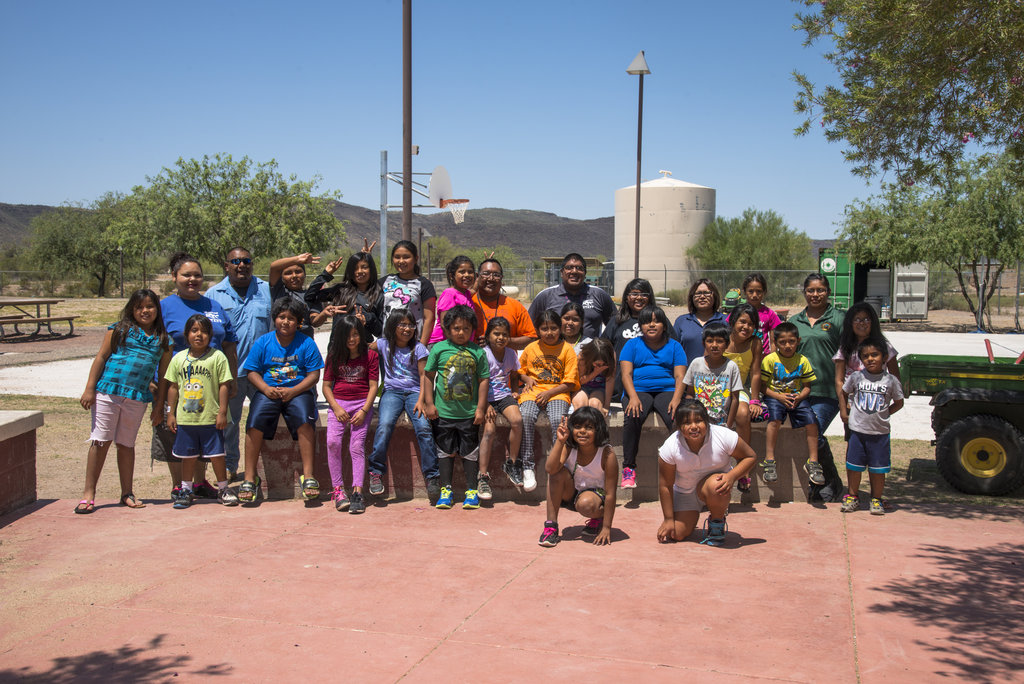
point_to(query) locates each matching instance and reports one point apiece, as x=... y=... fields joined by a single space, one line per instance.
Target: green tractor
x=977 y=416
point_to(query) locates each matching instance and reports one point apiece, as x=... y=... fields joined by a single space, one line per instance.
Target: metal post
x=120 y=268
x=407 y=119
x=382 y=243
x=639 y=138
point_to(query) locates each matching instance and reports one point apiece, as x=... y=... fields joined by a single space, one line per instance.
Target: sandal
x=85 y=506
x=310 y=488
x=135 y=503
x=249 y=490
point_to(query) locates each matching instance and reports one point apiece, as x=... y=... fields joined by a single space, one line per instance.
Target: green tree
x=973 y=223
x=207 y=206
x=81 y=240
x=757 y=240
x=919 y=81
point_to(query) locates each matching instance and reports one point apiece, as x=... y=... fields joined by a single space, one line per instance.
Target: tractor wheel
x=981 y=454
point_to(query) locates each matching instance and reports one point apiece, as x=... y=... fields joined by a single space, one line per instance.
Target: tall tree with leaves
x=81 y=240
x=920 y=81
x=208 y=206
x=757 y=240
x=973 y=223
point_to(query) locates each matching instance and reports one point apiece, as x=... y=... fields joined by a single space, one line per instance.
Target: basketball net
x=457 y=207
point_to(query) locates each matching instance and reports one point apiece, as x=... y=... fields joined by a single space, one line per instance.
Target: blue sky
x=542 y=116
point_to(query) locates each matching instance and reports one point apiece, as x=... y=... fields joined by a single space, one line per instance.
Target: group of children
x=450 y=383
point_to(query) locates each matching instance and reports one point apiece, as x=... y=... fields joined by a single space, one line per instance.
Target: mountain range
x=530 y=234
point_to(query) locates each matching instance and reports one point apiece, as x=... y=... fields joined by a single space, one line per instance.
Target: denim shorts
x=800 y=415
x=298 y=411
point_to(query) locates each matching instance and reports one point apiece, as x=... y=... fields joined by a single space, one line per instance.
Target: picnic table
x=17 y=311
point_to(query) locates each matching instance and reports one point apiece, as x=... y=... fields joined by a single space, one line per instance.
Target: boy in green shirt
x=455 y=399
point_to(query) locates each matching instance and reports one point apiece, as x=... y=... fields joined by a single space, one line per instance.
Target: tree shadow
x=921 y=489
x=124 y=664
x=975 y=595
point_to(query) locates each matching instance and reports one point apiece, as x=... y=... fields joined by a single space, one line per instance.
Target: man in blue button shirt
x=246 y=299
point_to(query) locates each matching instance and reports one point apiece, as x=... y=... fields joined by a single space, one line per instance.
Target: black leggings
x=632 y=426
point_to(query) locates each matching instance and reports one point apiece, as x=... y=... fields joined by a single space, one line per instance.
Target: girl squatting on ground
x=350 y=386
x=583 y=474
x=197 y=394
x=118 y=390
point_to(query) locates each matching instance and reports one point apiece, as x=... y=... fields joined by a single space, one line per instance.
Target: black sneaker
x=513 y=471
x=549 y=537
x=433 y=489
x=356 y=506
x=376 y=484
x=204 y=490
x=182 y=498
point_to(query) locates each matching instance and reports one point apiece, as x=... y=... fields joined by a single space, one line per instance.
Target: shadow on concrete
x=124 y=664
x=975 y=595
x=922 y=489
x=27 y=509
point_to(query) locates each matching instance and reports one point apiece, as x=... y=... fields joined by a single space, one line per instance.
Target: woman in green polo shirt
x=819 y=325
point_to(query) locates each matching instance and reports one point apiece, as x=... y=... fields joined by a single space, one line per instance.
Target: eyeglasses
x=638 y=295
x=702 y=293
x=861 y=321
x=490 y=275
x=574 y=267
x=237 y=262
x=406 y=326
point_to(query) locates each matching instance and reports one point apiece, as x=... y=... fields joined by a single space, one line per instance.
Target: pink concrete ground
x=408 y=593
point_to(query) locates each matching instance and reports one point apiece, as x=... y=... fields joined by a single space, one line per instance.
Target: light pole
x=638 y=67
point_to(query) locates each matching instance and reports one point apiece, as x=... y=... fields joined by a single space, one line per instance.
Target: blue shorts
x=868 y=452
x=298 y=411
x=192 y=441
x=800 y=415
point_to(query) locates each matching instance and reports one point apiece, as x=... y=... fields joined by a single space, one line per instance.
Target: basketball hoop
x=457 y=207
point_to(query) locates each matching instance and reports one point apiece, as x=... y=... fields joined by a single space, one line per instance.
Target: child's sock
x=222 y=484
x=445 y=468
x=186 y=486
x=471 y=469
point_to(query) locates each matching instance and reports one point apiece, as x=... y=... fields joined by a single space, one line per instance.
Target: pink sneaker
x=628 y=478
x=592 y=526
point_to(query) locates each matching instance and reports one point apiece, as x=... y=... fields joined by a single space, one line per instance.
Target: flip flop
x=135 y=503
x=85 y=506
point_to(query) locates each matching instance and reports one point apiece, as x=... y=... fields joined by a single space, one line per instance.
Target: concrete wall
x=18 y=458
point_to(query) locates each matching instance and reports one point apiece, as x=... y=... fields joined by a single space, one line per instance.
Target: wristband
x=755 y=402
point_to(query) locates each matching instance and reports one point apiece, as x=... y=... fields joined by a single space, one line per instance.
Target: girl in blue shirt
x=653 y=367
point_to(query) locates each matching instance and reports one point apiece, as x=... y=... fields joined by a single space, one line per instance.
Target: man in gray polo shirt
x=598 y=306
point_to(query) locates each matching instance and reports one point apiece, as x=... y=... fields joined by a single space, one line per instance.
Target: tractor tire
x=981 y=454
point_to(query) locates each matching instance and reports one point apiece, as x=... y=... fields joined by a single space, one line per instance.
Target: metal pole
x=639 y=138
x=407 y=119
x=383 y=241
x=120 y=268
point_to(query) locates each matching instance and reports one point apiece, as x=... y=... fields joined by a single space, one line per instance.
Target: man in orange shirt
x=493 y=303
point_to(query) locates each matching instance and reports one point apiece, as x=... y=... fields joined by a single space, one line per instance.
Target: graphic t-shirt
x=550 y=366
x=501 y=385
x=399 y=293
x=198 y=382
x=176 y=311
x=283 y=366
x=870 y=396
x=768 y=319
x=786 y=376
x=352 y=379
x=402 y=374
x=459 y=372
x=714 y=387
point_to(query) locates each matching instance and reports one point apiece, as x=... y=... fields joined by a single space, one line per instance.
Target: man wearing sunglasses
x=597 y=304
x=246 y=299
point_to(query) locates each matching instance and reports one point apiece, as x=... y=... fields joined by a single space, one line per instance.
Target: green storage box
x=927 y=374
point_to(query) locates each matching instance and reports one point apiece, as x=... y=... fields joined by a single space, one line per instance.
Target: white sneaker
x=529 y=480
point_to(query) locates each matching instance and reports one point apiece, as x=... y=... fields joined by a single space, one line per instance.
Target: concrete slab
x=284 y=592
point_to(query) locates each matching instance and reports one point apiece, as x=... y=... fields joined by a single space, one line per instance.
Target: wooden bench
x=47 y=321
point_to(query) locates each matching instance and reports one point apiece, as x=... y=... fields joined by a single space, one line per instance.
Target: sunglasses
x=244 y=260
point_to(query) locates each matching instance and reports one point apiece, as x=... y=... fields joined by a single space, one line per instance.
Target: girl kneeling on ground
x=583 y=475
x=693 y=472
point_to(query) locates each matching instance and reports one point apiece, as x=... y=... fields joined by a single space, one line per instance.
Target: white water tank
x=673 y=215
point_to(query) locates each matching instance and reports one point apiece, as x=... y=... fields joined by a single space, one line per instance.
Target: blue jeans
x=390 y=407
x=245 y=391
x=825 y=410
